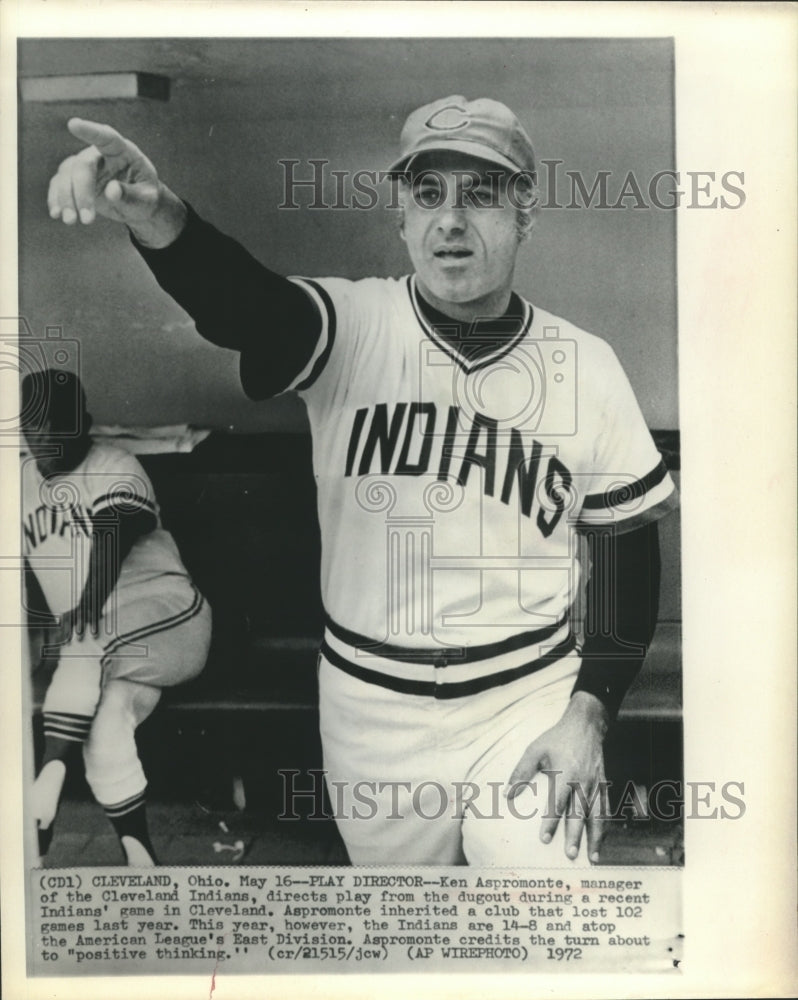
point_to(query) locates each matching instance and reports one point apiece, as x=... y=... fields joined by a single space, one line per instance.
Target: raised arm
x=113 y=178
x=233 y=299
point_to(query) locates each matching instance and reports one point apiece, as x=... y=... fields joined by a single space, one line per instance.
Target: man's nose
x=451 y=216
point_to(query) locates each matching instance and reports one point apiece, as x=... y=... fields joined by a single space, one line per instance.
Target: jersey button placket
x=440 y=663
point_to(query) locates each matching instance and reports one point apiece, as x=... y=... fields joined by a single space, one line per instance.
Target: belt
x=447 y=672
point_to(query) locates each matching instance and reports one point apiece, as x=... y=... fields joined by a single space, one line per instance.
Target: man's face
x=461 y=231
x=55 y=454
x=44 y=447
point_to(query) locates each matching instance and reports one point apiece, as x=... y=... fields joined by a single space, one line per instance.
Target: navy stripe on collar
x=502 y=347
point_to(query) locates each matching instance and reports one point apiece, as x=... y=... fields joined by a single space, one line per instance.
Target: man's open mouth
x=453 y=253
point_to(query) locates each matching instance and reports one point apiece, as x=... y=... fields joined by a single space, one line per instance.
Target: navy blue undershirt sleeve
x=623 y=591
x=239 y=304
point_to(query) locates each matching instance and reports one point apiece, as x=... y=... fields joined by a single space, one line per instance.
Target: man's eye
x=428 y=196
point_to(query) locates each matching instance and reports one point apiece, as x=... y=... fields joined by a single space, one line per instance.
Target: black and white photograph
x=352 y=376
x=423 y=532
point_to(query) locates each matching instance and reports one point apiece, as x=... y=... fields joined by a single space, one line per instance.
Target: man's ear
x=402 y=190
x=401 y=221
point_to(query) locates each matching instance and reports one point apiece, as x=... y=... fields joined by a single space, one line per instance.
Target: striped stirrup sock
x=67 y=726
x=129 y=819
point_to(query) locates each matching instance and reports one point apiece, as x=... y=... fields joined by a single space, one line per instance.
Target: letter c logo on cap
x=448 y=119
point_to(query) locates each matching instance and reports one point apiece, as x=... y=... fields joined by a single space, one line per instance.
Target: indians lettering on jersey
x=46 y=521
x=449 y=489
x=512 y=470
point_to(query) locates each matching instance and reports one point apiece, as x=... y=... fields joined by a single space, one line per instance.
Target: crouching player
x=130 y=619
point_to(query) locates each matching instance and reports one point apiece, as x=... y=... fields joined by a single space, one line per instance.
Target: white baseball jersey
x=58 y=514
x=449 y=490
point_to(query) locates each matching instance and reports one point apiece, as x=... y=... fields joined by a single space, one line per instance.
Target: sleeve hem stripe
x=627 y=492
x=638 y=519
x=322 y=359
x=125 y=500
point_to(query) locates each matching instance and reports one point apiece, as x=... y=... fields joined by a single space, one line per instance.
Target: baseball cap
x=483 y=128
x=55 y=397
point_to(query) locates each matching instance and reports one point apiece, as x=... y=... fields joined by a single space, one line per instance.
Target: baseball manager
x=475 y=456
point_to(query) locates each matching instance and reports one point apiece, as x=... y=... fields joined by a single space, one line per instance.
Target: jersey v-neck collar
x=449 y=347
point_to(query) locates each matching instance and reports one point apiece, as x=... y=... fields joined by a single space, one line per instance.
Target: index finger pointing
x=105 y=138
